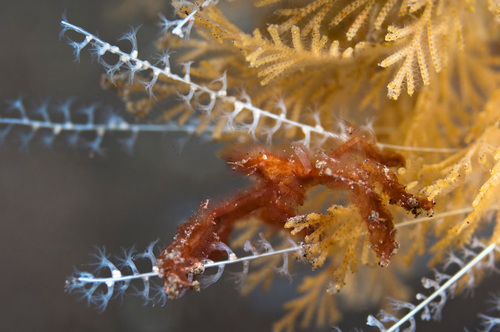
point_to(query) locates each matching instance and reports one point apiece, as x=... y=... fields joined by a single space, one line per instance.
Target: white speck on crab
x=320 y=164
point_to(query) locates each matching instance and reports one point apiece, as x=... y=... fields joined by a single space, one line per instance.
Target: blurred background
x=56 y=205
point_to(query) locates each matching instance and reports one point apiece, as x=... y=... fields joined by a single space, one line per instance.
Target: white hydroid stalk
x=486 y=251
x=251 y=258
x=72 y=122
x=135 y=64
x=131 y=59
x=98 y=290
x=121 y=126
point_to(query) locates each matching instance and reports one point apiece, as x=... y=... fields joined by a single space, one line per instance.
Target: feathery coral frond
x=306 y=72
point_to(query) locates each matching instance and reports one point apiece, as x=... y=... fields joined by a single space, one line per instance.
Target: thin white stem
x=178 y=29
x=434 y=217
x=441 y=289
x=118 y=279
x=438 y=215
x=250 y=258
x=221 y=94
x=121 y=126
x=107 y=280
x=417 y=148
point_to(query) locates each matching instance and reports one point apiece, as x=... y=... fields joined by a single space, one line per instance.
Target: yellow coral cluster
x=423 y=73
